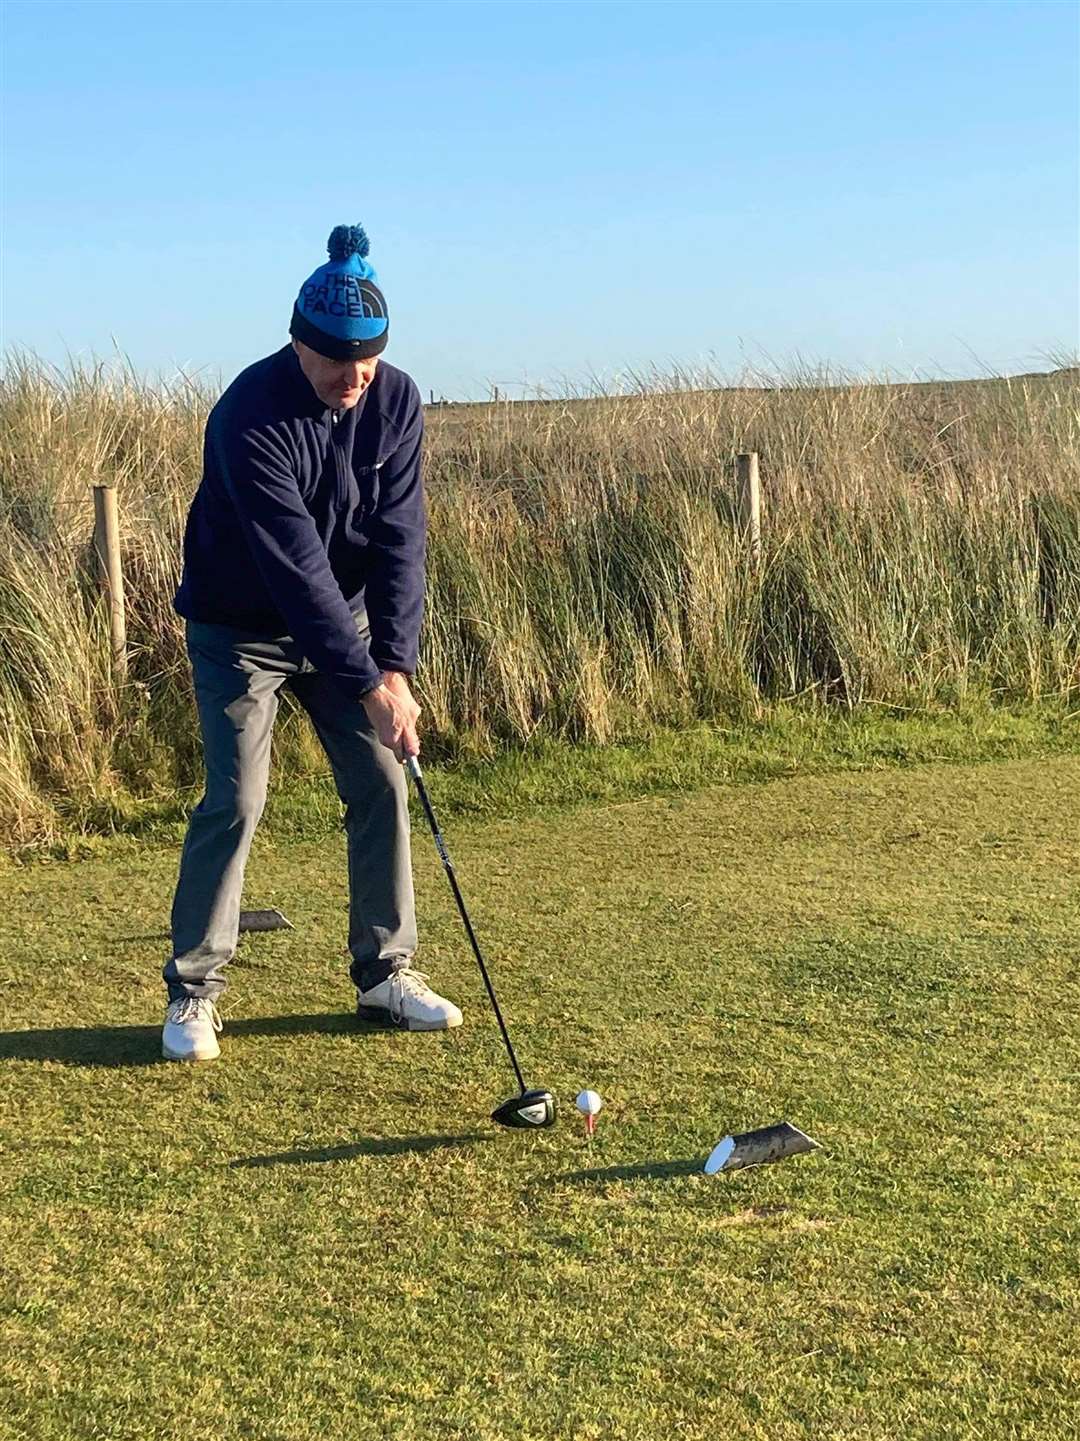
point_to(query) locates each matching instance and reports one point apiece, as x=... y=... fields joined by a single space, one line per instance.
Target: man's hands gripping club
x=393 y=713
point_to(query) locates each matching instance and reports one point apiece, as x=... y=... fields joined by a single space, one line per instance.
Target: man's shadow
x=141 y=1045
x=646 y=1171
x=368 y=1146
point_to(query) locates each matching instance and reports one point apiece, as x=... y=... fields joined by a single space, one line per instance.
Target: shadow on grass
x=141 y=1045
x=648 y=1171
x=369 y=1146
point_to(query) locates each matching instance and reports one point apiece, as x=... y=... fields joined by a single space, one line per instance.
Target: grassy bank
x=586 y=581
x=322 y=1236
x=554 y=774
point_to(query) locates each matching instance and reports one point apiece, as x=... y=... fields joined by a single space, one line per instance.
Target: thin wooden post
x=746 y=467
x=107 y=546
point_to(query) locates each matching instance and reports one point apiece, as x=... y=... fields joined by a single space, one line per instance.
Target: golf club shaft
x=412 y=765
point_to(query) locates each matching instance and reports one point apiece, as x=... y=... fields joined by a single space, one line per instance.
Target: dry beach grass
x=587 y=583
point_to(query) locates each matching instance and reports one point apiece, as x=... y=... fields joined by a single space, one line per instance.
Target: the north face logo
x=345 y=296
x=372 y=301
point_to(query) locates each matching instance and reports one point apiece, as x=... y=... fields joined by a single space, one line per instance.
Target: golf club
x=533 y=1108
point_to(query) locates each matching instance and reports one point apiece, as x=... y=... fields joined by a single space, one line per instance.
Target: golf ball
x=588 y=1103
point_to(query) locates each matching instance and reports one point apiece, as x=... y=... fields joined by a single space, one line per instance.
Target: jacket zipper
x=339 y=462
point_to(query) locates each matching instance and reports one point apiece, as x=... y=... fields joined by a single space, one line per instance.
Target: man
x=304 y=567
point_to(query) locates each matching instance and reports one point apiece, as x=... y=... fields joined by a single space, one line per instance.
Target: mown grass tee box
x=322 y=1236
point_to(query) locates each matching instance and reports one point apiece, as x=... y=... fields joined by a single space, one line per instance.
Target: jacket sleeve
x=259 y=476
x=397 y=539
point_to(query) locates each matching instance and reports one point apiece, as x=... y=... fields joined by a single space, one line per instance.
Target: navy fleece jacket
x=304 y=517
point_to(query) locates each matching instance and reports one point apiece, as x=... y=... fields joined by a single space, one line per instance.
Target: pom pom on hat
x=346 y=240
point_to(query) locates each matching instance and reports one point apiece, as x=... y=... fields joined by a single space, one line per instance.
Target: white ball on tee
x=588 y=1103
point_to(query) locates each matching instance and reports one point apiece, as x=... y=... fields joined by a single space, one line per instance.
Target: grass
x=552 y=774
x=587 y=584
x=322 y=1236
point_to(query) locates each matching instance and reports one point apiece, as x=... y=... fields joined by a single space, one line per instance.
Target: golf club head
x=759 y=1148
x=531 y=1111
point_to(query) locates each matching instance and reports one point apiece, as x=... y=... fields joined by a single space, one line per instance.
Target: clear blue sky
x=551 y=189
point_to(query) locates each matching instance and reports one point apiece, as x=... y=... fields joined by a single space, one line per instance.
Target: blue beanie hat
x=340 y=311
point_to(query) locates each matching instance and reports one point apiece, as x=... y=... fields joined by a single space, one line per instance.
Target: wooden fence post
x=107 y=546
x=746 y=467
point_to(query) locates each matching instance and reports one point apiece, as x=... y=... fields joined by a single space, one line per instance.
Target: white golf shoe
x=405 y=1000
x=190 y=1031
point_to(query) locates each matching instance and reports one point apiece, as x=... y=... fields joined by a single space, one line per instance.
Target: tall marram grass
x=922 y=545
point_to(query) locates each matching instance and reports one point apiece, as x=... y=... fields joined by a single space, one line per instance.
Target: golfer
x=304 y=567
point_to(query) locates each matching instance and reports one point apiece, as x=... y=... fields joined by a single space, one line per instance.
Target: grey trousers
x=238 y=677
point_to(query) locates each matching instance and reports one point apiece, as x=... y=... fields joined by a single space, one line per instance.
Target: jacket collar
x=296 y=389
